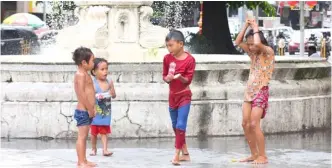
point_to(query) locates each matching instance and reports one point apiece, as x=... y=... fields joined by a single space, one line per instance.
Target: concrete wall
x=38 y=99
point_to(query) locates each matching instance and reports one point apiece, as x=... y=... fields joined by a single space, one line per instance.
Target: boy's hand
x=92 y=113
x=177 y=76
x=169 y=77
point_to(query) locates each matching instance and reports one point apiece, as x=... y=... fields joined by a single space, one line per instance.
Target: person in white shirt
x=313 y=53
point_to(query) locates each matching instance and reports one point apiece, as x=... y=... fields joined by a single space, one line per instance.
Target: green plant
x=267 y=8
x=234 y=36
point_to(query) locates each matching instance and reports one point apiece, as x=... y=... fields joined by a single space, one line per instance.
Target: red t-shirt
x=184 y=67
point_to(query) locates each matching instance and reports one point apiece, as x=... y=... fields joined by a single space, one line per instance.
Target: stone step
x=64 y=92
x=151 y=119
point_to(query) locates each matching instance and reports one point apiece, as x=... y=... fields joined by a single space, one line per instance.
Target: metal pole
x=243 y=19
x=227 y=12
x=257 y=14
x=302 y=28
x=44 y=11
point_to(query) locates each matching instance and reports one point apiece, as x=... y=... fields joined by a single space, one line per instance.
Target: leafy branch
x=267 y=8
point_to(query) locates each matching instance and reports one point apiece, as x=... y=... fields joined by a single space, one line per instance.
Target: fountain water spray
x=117 y=31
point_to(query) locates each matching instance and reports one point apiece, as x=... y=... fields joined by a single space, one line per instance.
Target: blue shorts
x=82 y=118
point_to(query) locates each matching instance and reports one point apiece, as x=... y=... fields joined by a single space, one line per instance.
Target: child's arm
x=257 y=40
x=112 y=90
x=188 y=76
x=79 y=83
x=239 y=39
x=166 y=77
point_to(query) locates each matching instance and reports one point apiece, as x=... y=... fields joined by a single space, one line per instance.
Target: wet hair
x=80 y=54
x=96 y=62
x=325 y=34
x=261 y=36
x=175 y=35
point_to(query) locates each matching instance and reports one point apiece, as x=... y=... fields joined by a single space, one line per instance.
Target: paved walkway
x=284 y=151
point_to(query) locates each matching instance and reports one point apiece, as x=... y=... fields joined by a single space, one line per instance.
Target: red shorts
x=262 y=100
x=100 y=129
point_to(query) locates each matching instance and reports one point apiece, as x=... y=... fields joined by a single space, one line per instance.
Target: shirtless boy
x=257 y=91
x=85 y=110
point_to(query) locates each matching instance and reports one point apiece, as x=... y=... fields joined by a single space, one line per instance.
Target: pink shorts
x=262 y=100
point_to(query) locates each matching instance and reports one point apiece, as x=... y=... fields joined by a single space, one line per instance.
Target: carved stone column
x=151 y=36
x=113 y=29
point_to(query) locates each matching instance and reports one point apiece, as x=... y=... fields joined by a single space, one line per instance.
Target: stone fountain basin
x=38 y=97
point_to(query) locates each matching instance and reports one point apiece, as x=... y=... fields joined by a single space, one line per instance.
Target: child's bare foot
x=107 y=153
x=175 y=160
x=91 y=164
x=260 y=160
x=93 y=152
x=83 y=165
x=185 y=157
x=249 y=159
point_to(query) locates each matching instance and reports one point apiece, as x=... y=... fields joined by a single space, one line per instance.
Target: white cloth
x=315 y=55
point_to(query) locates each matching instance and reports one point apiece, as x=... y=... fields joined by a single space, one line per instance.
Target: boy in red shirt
x=178 y=71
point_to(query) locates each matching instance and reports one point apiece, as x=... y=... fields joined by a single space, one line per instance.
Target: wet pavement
x=284 y=151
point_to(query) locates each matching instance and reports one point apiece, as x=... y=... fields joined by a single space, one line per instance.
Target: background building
x=34 y=7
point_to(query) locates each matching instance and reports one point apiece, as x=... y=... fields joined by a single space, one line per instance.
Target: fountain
x=118 y=31
x=38 y=98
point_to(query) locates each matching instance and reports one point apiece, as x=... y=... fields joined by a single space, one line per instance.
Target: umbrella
x=24 y=19
x=294 y=4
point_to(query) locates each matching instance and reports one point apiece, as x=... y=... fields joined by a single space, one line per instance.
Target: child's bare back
x=83 y=82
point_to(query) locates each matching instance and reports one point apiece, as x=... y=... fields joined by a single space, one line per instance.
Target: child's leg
x=104 y=138
x=184 y=148
x=93 y=145
x=174 y=116
x=94 y=133
x=83 y=132
x=256 y=129
x=181 y=126
x=246 y=112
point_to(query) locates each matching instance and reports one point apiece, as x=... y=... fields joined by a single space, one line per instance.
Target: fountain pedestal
x=113 y=29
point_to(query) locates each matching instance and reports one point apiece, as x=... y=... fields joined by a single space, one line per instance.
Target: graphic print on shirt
x=104 y=106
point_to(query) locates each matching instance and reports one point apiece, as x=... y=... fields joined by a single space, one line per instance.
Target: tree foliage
x=216 y=36
x=267 y=8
